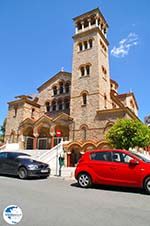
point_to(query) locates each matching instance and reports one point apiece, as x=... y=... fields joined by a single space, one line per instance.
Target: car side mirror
x=133 y=162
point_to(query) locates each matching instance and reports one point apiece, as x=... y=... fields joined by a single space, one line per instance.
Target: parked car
x=22 y=165
x=113 y=167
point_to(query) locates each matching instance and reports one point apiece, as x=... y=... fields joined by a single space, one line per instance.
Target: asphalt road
x=58 y=202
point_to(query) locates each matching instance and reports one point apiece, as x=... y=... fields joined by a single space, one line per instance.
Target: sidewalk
x=62 y=177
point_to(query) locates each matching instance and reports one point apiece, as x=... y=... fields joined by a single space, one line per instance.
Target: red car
x=113 y=167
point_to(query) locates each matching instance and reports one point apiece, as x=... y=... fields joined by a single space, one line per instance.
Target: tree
x=2 y=131
x=127 y=133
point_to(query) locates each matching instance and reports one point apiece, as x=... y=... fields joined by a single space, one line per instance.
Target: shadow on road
x=29 y=178
x=113 y=188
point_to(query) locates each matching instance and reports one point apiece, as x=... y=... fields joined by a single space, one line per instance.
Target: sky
x=36 y=42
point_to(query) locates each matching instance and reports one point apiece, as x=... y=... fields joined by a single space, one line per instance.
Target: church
x=82 y=105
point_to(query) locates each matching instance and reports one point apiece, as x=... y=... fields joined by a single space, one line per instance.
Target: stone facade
x=83 y=104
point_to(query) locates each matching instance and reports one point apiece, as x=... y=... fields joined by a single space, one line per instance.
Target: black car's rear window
x=15 y=155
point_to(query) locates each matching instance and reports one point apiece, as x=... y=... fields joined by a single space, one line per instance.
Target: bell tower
x=90 y=89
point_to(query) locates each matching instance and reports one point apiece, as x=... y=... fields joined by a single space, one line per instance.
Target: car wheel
x=22 y=173
x=84 y=180
x=147 y=185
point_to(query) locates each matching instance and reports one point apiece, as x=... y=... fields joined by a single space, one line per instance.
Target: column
x=35 y=143
x=85 y=71
x=96 y=22
x=56 y=105
x=21 y=141
x=105 y=32
x=52 y=134
x=52 y=141
x=88 y=44
x=83 y=47
x=82 y=23
x=76 y=29
x=63 y=105
x=99 y=23
x=68 y=159
x=89 y=20
x=35 y=140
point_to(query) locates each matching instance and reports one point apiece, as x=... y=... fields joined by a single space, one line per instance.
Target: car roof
x=107 y=150
x=14 y=152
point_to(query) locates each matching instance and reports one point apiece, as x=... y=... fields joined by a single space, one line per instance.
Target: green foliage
x=126 y=133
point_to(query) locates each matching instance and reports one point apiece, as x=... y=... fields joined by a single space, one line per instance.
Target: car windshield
x=143 y=157
x=14 y=155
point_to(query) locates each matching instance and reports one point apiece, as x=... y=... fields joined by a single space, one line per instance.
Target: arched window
x=102 y=26
x=61 y=88
x=86 y=24
x=32 y=112
x=131 y=104
x=47 y=106
x=60 y=105
x=87 y=69
x=85 y=45
x=79 y=26
x=90 y=43
x=54 y=105
x=80 y=47
x=84 y=131
x=93 y=21
x=15 y=111
x=67 y=87
x=105 y=101
x=82 y=71
x=55 y=90
x=84 y=98
x=67 y=103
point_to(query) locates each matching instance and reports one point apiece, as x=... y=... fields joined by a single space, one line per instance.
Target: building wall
x=24 y=111
x=47 y=95
x=101 y=125
x=13 y=121
x=97 y=84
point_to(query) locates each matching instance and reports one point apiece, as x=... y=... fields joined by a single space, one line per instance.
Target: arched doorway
x=73 y=156
x=43 y=138
x=89 y=147
x=28 y=137
x=104 y=146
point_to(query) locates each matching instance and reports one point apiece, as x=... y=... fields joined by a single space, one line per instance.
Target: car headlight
x=32 y=167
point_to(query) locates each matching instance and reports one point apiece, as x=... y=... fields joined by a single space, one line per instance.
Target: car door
x=124 y=173
x=101 y=166
x=11 y=164
x=3 y=159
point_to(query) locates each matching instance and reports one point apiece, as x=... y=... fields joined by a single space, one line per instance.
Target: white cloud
x=124 y=45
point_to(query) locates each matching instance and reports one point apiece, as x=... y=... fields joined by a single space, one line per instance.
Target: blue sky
x=36 y=42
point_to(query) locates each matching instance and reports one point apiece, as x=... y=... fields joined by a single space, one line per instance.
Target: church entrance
x=28 y=138
x=29 y=143
x=73 y=156
x=43 y=143
x=43 y=139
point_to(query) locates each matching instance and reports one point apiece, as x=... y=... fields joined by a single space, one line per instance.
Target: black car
x=22 y=165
